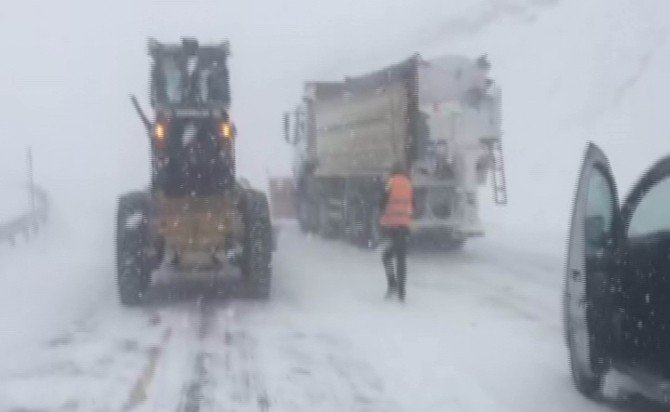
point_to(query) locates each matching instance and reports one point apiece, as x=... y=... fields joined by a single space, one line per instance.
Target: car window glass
x=173 y=80
x=599 y=210
x=651 y=214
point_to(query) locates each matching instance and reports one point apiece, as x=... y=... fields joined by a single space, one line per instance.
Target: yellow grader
x=196 y=212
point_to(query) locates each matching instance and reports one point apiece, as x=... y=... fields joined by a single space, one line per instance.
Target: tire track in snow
x=224 y=374
x=192 y=393
x=232 y=355
x=92 y=364
x=138 y=393
x=502 y=282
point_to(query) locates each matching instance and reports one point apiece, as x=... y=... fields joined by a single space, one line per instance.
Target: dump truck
x=196 y=214
x=439 y=118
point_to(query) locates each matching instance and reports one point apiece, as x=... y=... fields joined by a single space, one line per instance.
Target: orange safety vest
x=398 y=212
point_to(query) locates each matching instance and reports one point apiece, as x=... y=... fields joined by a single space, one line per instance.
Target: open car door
x=644 y=338
x=594 y=237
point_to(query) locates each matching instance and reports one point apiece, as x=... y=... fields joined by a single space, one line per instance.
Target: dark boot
x=401 y=294
x=390 y=292
x=392 y=282
x=401 y=265
x=400 y=285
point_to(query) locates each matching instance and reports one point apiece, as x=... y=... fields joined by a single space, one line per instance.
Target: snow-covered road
x=480 y=331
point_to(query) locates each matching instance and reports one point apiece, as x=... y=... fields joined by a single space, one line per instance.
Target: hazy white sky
x=570 y=71
x=74 y=62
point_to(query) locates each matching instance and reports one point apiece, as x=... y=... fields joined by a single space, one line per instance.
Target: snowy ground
x=480 y=331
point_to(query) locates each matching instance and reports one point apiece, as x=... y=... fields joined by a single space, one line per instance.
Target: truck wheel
x=133 y=267
x=304 y=221
x=455 y=244
x=257 y=254
x=373 y=230
x=355 y=227
x=325 y=226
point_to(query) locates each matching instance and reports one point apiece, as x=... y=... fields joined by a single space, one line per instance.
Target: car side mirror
x=594 y=231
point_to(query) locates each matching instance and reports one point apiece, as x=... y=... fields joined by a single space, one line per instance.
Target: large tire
x=455 y=244
x=257 y=254
x=373 y=232
x=133 y=266
x=325 y=226
x=304 y=215
x=355 y=227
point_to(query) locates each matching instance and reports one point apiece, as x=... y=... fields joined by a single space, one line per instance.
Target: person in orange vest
x=396 y=221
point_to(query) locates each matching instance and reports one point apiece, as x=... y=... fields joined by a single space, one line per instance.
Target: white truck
x=440 y=118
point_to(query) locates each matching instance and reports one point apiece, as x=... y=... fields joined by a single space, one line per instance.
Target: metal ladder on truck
x=497 y=171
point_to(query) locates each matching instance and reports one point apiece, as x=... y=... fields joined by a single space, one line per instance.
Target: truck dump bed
x=364 y=125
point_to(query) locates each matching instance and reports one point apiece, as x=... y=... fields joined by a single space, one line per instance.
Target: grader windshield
x=189 y=75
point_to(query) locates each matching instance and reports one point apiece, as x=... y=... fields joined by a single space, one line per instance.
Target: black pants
x=397 y=248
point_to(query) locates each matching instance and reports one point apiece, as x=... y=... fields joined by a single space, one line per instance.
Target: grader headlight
x=160 y=134
x=227 y=130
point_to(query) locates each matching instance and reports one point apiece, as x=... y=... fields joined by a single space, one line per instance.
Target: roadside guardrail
x=28 y=223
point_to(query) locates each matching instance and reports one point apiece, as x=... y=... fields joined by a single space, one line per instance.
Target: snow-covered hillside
x=574 y=71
